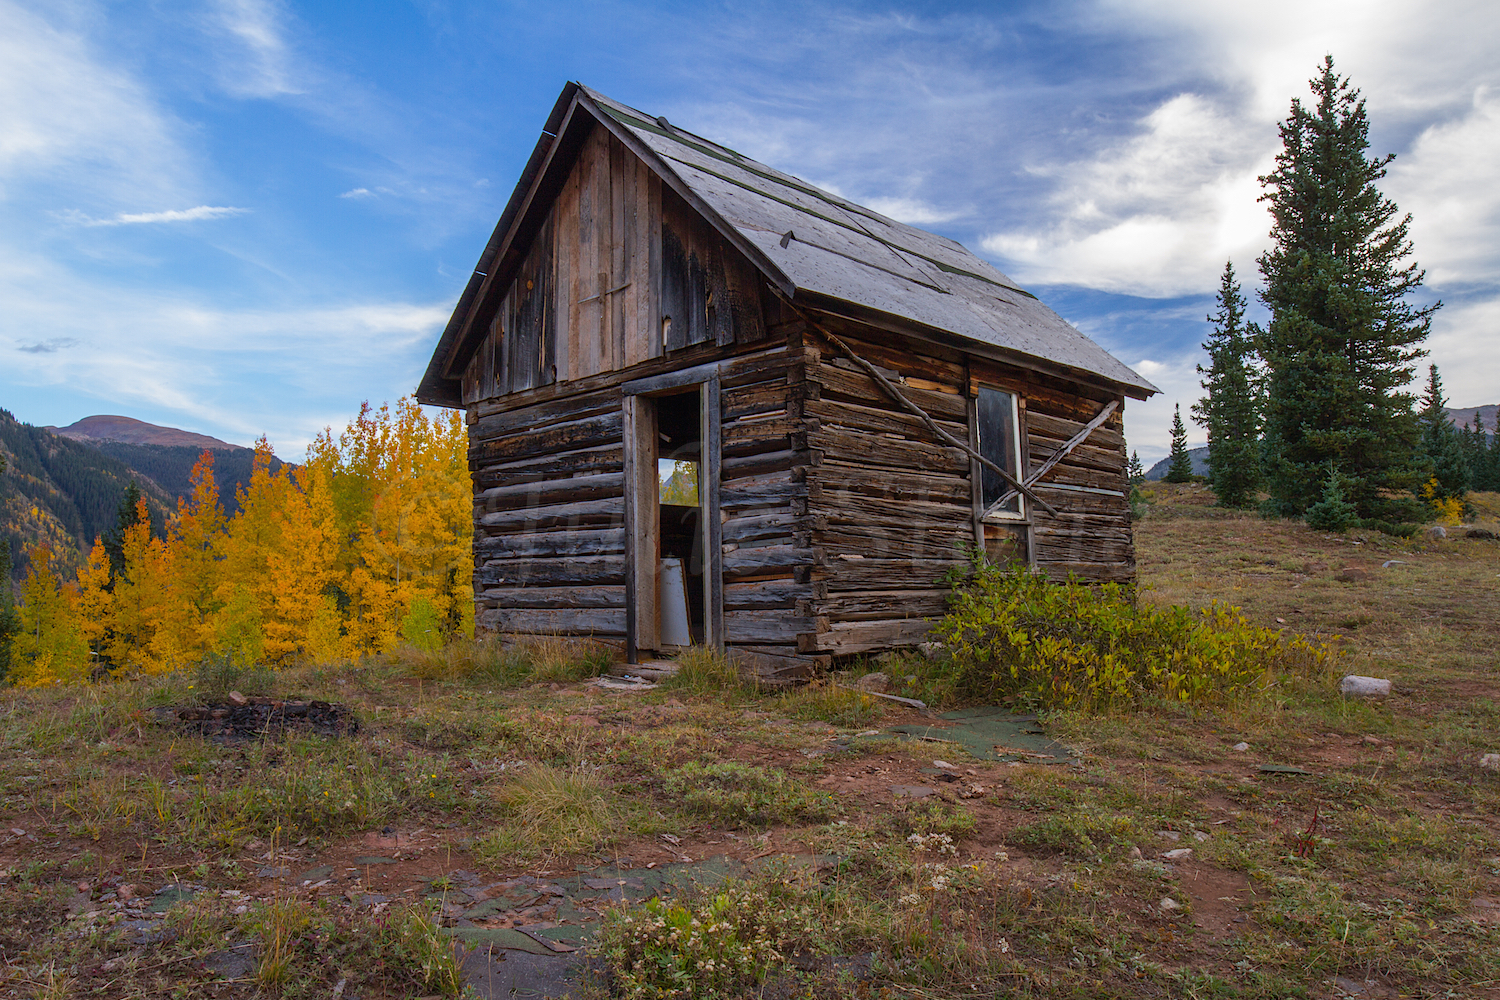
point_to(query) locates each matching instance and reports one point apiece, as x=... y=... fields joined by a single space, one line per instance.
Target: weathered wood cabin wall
x=841 y=515
x=622 y=282
x=891 y=511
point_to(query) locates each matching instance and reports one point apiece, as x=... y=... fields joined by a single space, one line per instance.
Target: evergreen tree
x=1181 y=469
x=1137 y=472
x=1342 y=338
x=114 y=539
x=1230 y=410
x=1444 y=462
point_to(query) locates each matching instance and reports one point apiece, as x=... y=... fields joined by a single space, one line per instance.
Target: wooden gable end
x=622 y=270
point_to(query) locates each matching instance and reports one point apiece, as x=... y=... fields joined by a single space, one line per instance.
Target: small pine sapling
x=1181 y=469
x=1334 y=512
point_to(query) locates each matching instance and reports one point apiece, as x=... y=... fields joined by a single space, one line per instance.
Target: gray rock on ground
x=1355 y=686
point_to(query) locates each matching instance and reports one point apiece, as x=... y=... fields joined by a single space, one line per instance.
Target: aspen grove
x=365 y=545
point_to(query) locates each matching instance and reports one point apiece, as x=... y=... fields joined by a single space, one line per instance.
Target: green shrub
x=1014 y=635
x=421 y=627
x=721 y=944
x=738 y=795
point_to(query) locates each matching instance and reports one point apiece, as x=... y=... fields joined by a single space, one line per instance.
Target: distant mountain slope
x=60 y=491
x=1465 y=416
x=1460 y=418
x=171 y=467
x=128 y=430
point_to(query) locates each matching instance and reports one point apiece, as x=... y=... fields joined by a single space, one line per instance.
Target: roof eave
x=894 y=323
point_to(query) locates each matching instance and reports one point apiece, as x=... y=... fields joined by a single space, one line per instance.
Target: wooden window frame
x=641 y=584
x=1024 y=519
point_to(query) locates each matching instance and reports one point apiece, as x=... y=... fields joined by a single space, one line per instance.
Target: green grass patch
x=739 y=796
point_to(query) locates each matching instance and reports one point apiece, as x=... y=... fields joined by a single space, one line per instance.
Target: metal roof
x=815 y=245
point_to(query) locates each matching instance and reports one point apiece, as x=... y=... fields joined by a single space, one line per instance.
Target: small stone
x=878 y=682
x=236 y=698
x=1241 y=746
x=1373 y=741
x=1135 y=854
x=1355 y=686
x=1170 y=905
x=1490 y=762
x=1169 y=835
x=945 y=764
x=1200 y=836
x=1180 y=854
x=1482 y=533
x=1392 y=562
x=1436 y=532
x=931 y=650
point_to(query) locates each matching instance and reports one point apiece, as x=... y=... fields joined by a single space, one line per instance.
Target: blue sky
x=243 y=217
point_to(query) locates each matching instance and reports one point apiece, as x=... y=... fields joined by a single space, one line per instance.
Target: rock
x=1169 y=905
x=912 y=791
x=1169 y=834
x=1373 y=741
x=1482 y=533
x=1179 y=854
x=932 y=650
x=236 y=698
x=1355 y=686
x=945 y=764
x=1490 y=762
x=1392 y=562
x=1135 y=853
x=1351 y=575
x=1200 y=836
x=1436 y=532
x=1241 y=746
x=878 y=682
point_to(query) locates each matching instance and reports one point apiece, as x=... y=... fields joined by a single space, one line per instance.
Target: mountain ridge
x=128 y=430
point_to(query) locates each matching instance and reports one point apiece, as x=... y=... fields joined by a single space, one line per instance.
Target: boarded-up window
x=1000 y=442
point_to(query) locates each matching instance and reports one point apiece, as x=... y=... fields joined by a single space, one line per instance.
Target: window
x=1000 y=442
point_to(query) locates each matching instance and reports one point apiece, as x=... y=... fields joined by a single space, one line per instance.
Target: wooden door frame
x=642 y=527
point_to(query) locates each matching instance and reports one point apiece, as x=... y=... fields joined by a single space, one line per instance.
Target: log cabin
x=710 y=403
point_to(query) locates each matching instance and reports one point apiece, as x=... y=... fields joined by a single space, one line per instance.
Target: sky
x=245 y=217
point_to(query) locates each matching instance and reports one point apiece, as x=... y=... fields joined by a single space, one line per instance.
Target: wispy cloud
x=256 y=60
x=197 y=214
x=47 y=346
x=358 y=193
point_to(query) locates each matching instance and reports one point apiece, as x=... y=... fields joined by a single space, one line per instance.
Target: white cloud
x=257 y=60
x=69 y=118
x=1450 y=182
x=1464 y=343
x=197 y=214
x=1155 y=215
x=358 y=193
x=912 y=211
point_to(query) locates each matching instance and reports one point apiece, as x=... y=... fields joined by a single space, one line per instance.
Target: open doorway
x=679 y=502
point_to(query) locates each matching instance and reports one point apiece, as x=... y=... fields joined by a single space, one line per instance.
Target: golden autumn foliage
x=367 y=543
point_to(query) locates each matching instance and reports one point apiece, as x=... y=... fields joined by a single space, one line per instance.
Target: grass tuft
x=552 y=810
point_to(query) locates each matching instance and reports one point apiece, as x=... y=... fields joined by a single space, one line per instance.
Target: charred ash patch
x=256 y=718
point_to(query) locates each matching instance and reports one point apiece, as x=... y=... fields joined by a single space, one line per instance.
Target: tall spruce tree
x=1181 y=469
x=1230 y=411
x=1343 y=337
x=114 y=539
x=1445 y=467
x=1137 y=471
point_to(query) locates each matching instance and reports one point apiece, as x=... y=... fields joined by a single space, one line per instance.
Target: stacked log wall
x=892 y=511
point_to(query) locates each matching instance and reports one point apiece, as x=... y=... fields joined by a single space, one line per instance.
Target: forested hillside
x=61 y=492
x=171 y=467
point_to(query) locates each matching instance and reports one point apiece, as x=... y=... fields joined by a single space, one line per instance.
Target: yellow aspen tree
x=195 y=541
x=299 y=571
x=96 y=601
x=243 y=589
x=49 y=649
x=143 y=601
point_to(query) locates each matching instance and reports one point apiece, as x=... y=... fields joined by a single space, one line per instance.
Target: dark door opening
x=679 y=469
